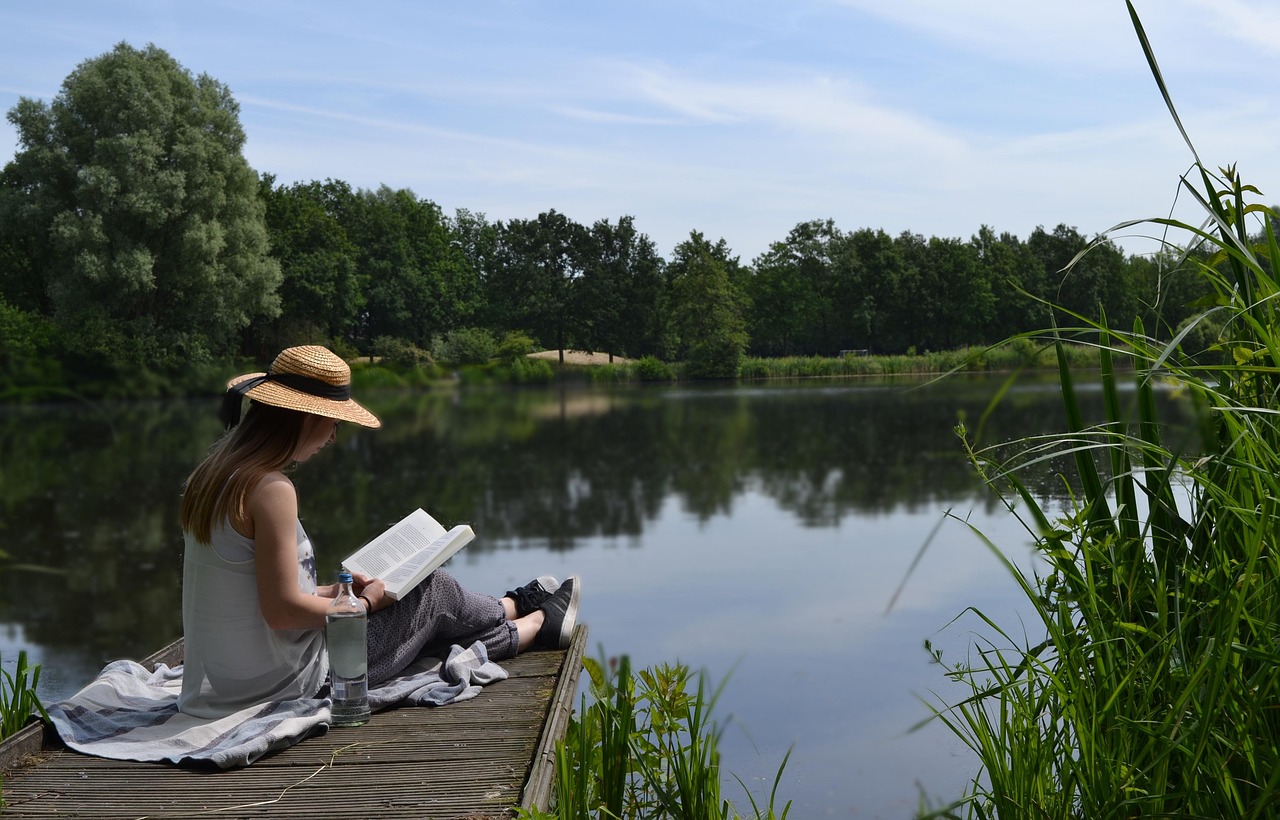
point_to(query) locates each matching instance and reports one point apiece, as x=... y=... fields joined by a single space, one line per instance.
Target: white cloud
x=735 y=119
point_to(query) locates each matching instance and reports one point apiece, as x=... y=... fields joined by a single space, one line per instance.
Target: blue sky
x=738 y=119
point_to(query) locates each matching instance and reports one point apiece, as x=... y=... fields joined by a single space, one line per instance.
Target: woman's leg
x=437 y=612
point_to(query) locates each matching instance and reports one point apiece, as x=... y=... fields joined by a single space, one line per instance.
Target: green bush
x=375 y=377
x=344 y=348
x=479 y=373
x=718 y=357
x=1202 y=339
x=514 y=345
x=652 y=369
x=468 y=345
x=30 y=368
x=401 y=354
x=24 y=336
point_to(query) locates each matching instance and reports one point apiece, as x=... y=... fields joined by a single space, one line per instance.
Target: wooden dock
x=481 y=758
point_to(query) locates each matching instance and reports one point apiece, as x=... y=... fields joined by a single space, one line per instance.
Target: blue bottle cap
x=344 y=577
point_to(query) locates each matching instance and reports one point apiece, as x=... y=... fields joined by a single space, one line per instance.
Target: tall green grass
x=1148 y=683
x=1016 y=354
x=645 y=745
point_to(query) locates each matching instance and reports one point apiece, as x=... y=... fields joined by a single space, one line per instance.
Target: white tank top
x=233 y=659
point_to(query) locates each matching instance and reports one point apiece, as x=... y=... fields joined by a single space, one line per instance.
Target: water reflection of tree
x=94 y=491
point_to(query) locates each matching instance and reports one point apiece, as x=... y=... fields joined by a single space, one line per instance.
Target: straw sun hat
x=310 y=379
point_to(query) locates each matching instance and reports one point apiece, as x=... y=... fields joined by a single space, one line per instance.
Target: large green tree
x=476 y=238
x=708 y=325
x=877 y=270
x=418 y=283
x=966 y=303
x=320 y=295
x=787 y=290
x=1098 y=282
x=533 y=285
x=810 y=294
x=620 y=290
x=1017 y=283
x=131 y=217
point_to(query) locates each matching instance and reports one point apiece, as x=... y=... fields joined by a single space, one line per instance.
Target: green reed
x=644 y=745
x=1148 y=684
x=18 y=699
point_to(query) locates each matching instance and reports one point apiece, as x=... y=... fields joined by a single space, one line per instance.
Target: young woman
x=253 y=614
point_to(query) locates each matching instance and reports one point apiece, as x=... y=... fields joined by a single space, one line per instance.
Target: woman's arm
x=272 y=507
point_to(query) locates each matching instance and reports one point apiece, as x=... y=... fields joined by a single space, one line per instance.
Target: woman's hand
x=373 y=590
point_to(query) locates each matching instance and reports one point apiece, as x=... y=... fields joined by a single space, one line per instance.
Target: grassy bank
x=1022 y=353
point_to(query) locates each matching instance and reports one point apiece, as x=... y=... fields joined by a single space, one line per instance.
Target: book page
x=417 y=566
x=383 y=554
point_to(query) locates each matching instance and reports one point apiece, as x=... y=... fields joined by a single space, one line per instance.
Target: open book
x=408 y=552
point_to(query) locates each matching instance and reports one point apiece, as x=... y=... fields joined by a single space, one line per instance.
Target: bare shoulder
x=273 y=496
x=275 y=482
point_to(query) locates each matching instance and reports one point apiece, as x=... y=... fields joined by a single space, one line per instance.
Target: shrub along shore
x=1018 y=354
x=420 y=371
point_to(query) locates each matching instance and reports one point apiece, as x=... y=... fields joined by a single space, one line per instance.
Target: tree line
x=135 y=238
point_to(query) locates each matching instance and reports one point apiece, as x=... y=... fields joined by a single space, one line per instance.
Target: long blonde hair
x=217 y=489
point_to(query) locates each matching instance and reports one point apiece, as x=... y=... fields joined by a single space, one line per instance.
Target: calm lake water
x=755 y=532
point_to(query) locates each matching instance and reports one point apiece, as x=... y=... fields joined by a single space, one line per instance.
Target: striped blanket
x=129 y=713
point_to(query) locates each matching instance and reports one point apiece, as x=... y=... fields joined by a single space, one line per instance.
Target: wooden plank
x=473 y=759
x=541 y=781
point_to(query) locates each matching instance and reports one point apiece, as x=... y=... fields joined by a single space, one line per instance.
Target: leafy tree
x=914 y=306
x=707 y=316
x=1176 y=290
x=1016 y=277
x=320 y=294
x=640 y=331
x=533 y=281
x=477 y=239
x=1102 y=280
x=786 y=291
x=1077 y=291
x=1120 y=294
x=26 y=341
x=417 y=281
x=465 y=345
x=872 y=288
x=965 y=303
x=825 y=270
x=810 y=293
x=136 y=214
x=620 y=290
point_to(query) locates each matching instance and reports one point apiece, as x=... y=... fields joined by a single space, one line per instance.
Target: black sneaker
x=561 y=610
x=530 y=597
